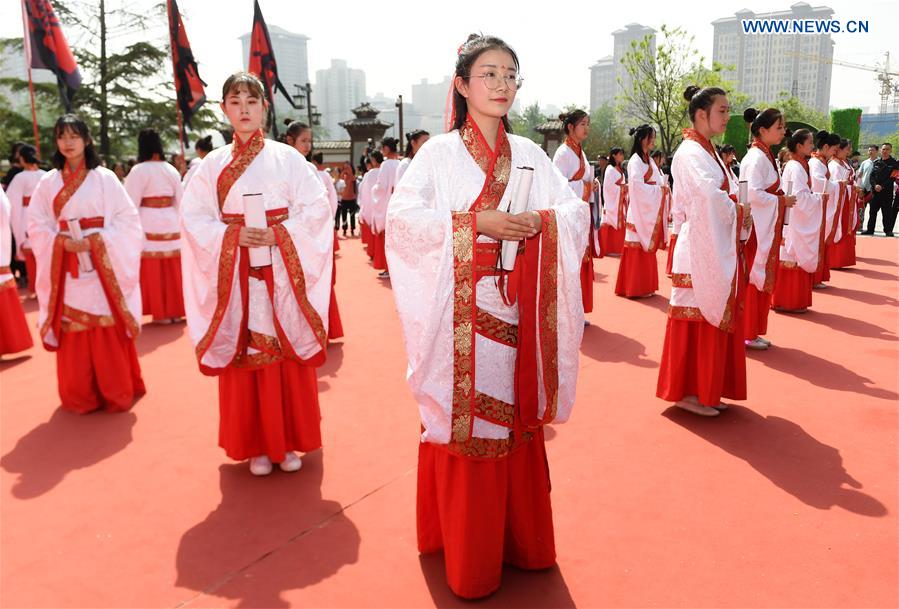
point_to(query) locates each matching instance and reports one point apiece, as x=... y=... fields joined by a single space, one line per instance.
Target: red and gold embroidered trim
x=685 y=313
x=4 y=270
x=157 y=202
x=548 y=315
x=57 y=287
x=75 y=320
x=298 y=283
x=681 y=280
x=227 y=262
x=110 y=284
x=72 y=179
x=496 y=164
x=26 y=201
x=484 y=448
x=162 y=236
x=464 y=313
x=83 y=223
x=491 y=409
x=162 y=254
x=496 y=329
x=242 y=155
x=788 y=264
x=272 y=217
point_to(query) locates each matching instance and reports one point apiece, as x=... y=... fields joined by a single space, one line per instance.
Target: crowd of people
x=489 y=246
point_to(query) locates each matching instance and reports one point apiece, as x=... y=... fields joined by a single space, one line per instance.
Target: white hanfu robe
x=150 y=184
x=802 y=236
x=760 y=174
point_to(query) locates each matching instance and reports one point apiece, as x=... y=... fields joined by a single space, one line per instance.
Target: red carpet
x=787 y=501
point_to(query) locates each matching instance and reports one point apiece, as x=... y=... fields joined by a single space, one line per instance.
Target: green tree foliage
x=848 y=123
x=605 y=132
x=794 y=109
x=525 y=123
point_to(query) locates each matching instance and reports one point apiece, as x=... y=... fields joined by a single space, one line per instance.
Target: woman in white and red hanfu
x=703 y=358
x=768 y=203
x=202 y=148
x=381 y=193
x=572 y=163
x=155 y=188
x=493 y=356
x=88 y=316
x=841 y=254
x=826 y=145
x=14 y=333
x=647 y=219
x=803 y=237
x=261 y=330
x=373 y=164
x=19 y=192
x=614 y=210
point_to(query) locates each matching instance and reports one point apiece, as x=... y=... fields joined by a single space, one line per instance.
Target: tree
x=605 y=132
x=525 y=124
x=658 y=80
x=794 y=109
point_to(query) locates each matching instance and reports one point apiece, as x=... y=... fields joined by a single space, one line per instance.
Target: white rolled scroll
x=254 y=217
x=84 y=258
x=788 y=190
x=518 y=203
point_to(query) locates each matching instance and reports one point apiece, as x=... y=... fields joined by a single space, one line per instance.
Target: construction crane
x=889 y=81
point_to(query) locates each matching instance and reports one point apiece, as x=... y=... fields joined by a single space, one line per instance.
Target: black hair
x=571 y=119
x=844 y=143
x=378 y=156
x=701 y=98
x=413 y=136
x=823 y=138
x=727 y=149
x=295 y=128
x=391 y=143
x=761 y=120
x=318 y=158
x=640 y=133
x=204 y=144
x=614 y=151
x=148 y=144
x=887 y=144
x=73 y=123
x=874 y=146
x=656 y=154
x=14 y=151
x=240 y=79
x=474 y=47
x=28 y=154
x=794 y=139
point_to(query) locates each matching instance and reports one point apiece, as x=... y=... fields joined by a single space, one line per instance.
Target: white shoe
x=721 y=407
x=756 y=343
x=697 y=408
x=383 y=275
x=765 y=340
x=260 y=466
x=820 y=286
x=291 y=462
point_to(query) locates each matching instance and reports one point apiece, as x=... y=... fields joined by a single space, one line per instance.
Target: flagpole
x=26 y=42
x=168 y=8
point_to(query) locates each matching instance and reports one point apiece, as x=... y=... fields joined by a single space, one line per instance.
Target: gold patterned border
x=774 y=252
x=72 y=179
x=227 y=262
x=491 y=409
x=681 y=280
x=496 y=165
x=464 y=314
x=165 y=254
x=242 y=156
x=75 y=320
x=162 y=236
x=685 y=313
x=548 y=314
x=57 y=288
x=298 y=283
x=485 y=448
x=496 y=329
x=111 y=285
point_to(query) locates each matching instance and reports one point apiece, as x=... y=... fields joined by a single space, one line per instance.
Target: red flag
x=262 y=62
x=188 y=84
x=48 y=48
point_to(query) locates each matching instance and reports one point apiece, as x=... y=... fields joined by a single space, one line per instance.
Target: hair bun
x=563 y=116
x=632 y=131
x=750 y=114
x=690 y=91
x=788 y=133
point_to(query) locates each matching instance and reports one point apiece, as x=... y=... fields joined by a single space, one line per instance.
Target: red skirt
x=14 y=333
x=335 y=327
x=671 y=242
x=842 y=253
x=792 y=289
x=160 y=287
x=638 y=273
x=336 y=242
x=699 y=359
x=587 y=283
x=269 y=411
x=611 y=240
x=380 y=258
x=755 y=315
x=365 y=232
x=98 y=368
x=822 y=274
x=30 y=267
x=485 y=512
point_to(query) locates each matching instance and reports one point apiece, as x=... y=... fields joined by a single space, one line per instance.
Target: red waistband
x=96 y=222
x=272 y=217
x=157 y=202
x=26 y=201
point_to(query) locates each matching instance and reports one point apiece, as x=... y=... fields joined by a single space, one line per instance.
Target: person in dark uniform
x=883 y=187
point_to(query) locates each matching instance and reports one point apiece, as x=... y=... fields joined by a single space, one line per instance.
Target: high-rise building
x=293 y=66
x=766 y=65
x=430 y=103
x=337 y=91
x=608 y=76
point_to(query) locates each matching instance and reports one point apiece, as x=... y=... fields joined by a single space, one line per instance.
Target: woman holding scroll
x=257 y=253
x=493 y=355
x=86 y=235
